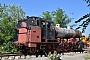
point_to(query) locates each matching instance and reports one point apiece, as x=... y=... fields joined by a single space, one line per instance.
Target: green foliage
x=88 y=2
x=85 y=23
x=9 y=48
x=58 y=17
x=52 y=56
x=61 y=18
x=47 y=15
x=8 y=22
x=87 y=56
x=16 y=12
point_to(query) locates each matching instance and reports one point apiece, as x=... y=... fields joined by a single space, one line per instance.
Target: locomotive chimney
x=57 y=25
x=68 y=27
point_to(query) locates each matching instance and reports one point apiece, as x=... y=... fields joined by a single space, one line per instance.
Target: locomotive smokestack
x=68 y=27
x=57 y=25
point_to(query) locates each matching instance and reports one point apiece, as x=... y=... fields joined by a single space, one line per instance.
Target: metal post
x=71 y=15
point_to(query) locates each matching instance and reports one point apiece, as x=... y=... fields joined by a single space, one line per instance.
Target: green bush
x=52 y=56
x=87 y=56
x=10 y=48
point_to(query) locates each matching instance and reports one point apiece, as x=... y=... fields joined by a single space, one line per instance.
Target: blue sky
x=36 y=7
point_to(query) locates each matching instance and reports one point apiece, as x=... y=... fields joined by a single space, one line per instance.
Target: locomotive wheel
x=41 y=53
x=32 y=51
x=23 y=50
x=37 y=53
x=36 y=56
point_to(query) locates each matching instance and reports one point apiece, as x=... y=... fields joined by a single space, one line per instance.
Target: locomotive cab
x=28 y=31
x=44 y=28
x=48 y=31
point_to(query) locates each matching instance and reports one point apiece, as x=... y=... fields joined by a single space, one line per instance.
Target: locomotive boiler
x=66 y=32
x=36 y=35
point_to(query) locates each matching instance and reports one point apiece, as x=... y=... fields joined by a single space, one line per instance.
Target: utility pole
x=72 y=18
x=71 y=15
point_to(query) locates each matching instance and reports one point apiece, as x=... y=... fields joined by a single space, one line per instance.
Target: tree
x=88 y=2
x=8 y=21
x=85 y=22
x=16 y=12
x=58 y=17
x=47 y=15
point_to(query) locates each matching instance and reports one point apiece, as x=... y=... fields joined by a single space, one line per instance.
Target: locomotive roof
x=42 y=19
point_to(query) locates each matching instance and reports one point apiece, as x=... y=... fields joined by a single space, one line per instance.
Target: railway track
x=12 y=56
x=5 y=56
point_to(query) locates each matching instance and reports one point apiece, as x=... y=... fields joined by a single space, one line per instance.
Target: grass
x=87 y=56
x=71 y=54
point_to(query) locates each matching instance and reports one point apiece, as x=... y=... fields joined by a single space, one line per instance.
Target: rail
x=10 y=55
x=21 y=56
